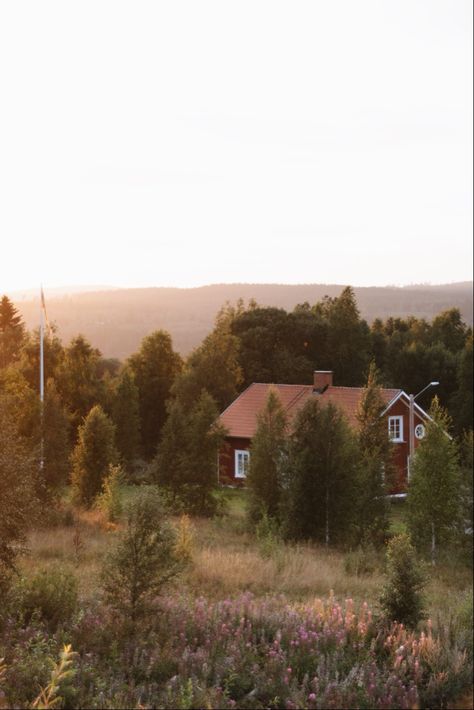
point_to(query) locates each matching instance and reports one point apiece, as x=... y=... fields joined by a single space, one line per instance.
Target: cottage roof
x=240 y=417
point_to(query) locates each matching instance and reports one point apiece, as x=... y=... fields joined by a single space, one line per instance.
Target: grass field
x=227 y=559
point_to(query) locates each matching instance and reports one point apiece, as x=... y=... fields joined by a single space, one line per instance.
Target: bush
x=110 y=500
x=51 y=592
x=402 y=598
x=268 y=536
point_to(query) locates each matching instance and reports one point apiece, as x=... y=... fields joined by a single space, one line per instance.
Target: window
x=242 y=460
x=395 y=428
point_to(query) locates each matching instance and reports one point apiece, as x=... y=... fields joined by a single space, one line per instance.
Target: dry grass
x=297 y=572
x=227 y=560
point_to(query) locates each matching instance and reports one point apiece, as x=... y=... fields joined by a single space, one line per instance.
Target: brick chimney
x=322 y=378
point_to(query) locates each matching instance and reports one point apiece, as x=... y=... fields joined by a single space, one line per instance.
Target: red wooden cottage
x=240 y=420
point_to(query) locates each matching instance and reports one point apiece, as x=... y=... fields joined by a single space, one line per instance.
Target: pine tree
x=348 y=339
x=94 y=452
x=56 y=441
x=155 y=367
x=18 y=470
x=186 y=462
x=462 y=401
x=266 y=458
x=322 y=465
x=376 y=467
x=12 y=332
x=126 y=417
x=402 y=597
x=433 y=499
x=78 y=380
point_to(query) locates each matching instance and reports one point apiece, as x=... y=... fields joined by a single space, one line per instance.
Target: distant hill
x=116 y=320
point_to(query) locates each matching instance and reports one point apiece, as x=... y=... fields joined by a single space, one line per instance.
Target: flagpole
x=41 y=376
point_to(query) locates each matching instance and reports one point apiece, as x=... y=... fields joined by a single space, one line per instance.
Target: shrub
x=402 y=598
x=268 y=536
x=143 y=559
x=110 y=500
x=52 y=592
x=184 y=545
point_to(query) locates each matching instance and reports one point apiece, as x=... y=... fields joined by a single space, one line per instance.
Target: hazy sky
x=171 y=143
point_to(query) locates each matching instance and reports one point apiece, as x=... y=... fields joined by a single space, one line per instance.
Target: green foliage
x=110 y=500
x=78 y=380
x=402 y=597
x=29 y=363
x=348 y=338
x=269 y=537
x=143 y=559
x=18 y=471
x=126 y=416
x=268 y=452
x=321 y=474
x=61 y=675
x=433 y=500
x=92 y=456
x=376 y=466
x=155 y=368
x=56 y=442
x=186 y=462
x=213 y=366
x=52 y=592
x=12 y=332
x=462 y=402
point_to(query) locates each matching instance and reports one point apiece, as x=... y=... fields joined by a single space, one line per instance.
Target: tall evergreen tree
x=18 y=470
x=53 y=354
x=155 y=367
x=78 y=380
x=376 y=464
x=348 y=339
x=433 y=498
x=266 y=458
x=56 y=441
x=12 y=332
x=462 y=401
x=93 y=454
x=322 y=467
x=126 y=416
x=186 y=461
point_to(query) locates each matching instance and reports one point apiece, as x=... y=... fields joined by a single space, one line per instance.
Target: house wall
x=401 y=450
x=227 y=459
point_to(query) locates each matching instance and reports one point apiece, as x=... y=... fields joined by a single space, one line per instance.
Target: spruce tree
x=433 y=500
x=18 y=472
x=12 y=332
x=56 y=442
x=402 y=596
x=186 y=462
x=376 y=467
x=94 y=452
x=78 y=380
x=126 y=417
x=267 y=454
x=322 y=465
x=155 y=367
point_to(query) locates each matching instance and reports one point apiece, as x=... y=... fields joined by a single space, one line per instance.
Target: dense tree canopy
x=155 y=367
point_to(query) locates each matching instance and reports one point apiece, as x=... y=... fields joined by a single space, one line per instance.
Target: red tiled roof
x=240 y=417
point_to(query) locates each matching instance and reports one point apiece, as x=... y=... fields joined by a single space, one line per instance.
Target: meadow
x=250 y=622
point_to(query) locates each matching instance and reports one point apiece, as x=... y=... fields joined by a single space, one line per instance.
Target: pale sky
x=186 y=143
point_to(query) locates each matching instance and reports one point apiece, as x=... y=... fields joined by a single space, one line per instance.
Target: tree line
x=156 y=413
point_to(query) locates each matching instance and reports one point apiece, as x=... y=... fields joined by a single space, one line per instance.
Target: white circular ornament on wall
x=420 y=431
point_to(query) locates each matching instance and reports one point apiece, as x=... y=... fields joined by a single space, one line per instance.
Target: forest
x=131 y=579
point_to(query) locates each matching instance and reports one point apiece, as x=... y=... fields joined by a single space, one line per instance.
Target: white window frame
x=399 y=439
x=241 y=455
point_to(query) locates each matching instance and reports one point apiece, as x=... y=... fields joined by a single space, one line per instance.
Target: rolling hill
x=116 y=320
